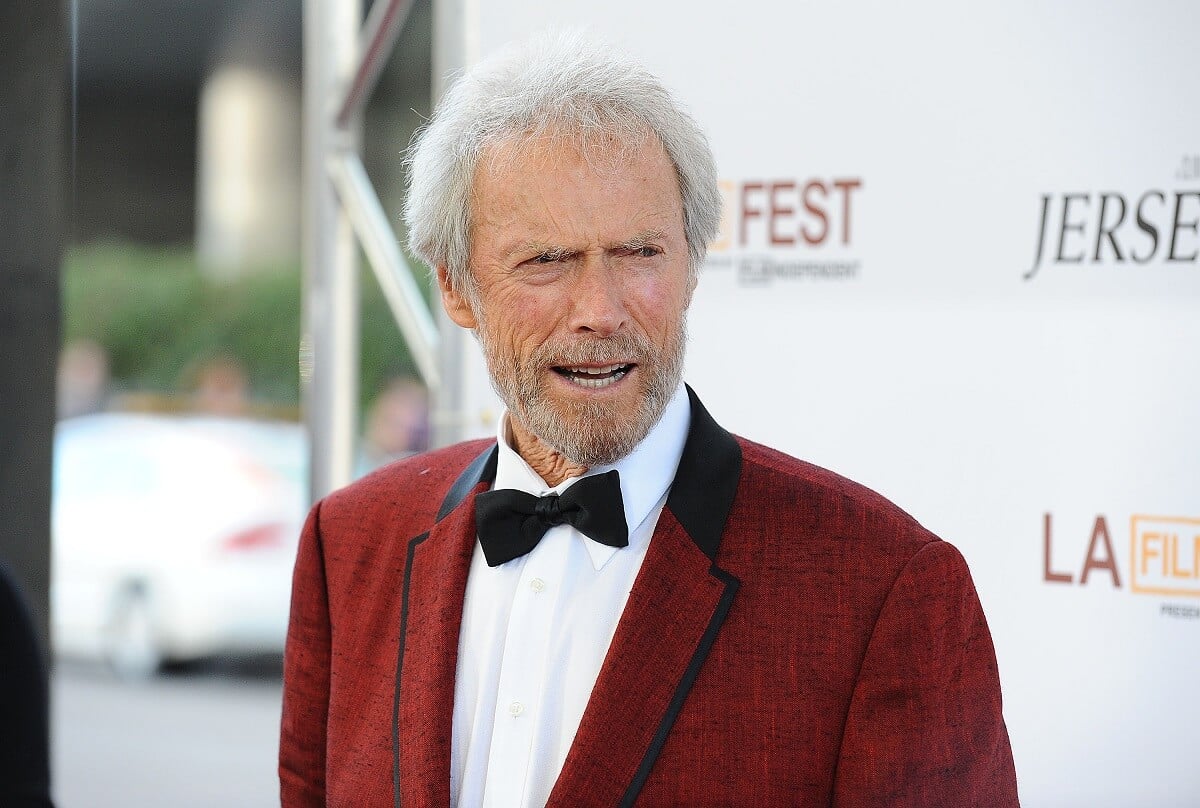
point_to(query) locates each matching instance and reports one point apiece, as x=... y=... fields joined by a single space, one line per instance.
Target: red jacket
x=792 y=639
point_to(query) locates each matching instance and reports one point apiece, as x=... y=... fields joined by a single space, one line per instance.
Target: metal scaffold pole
x=329 y=332
x=452 y=50
x=341 y=210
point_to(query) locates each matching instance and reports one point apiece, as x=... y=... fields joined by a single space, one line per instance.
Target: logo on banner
x=788 y=230
x=1163 y=559
x=1159 y=226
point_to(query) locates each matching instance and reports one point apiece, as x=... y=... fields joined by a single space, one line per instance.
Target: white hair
x=563 y=86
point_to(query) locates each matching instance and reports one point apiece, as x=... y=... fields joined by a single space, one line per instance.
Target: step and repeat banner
x=960 y=263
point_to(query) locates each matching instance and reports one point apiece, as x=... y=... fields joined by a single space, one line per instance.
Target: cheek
x=657 y=306
x=519 y=323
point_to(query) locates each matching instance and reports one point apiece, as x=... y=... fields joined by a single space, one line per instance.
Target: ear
x=693 y=280
x=454 y=302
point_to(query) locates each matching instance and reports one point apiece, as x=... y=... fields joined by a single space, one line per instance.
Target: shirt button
x=537 y=584
x=516 y=708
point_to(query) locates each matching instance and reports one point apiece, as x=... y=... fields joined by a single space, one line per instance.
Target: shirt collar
x=646 y=472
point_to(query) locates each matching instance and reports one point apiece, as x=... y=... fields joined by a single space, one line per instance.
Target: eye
x=646 y=251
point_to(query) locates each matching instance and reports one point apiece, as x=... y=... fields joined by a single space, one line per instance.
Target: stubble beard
x=588 y=433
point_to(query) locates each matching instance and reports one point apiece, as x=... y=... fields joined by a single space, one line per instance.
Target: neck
x=545 y=461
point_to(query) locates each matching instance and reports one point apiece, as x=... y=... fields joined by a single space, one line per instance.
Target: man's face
x=582 y=288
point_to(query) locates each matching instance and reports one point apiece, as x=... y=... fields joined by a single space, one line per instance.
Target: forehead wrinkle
x=529 y=207
x=511 y=217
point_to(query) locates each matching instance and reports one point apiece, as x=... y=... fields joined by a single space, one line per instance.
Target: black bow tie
x=511 y=523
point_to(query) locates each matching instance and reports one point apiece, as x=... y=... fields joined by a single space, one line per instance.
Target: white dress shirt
x=536 y=629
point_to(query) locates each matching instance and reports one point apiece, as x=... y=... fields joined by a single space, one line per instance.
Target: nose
x=598 y=299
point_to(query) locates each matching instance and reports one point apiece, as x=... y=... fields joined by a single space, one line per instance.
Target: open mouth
x=594 y=377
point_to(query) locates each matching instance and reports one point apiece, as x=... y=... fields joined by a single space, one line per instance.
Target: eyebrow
x=541 y=248
x=558 y=252
x=643 y=239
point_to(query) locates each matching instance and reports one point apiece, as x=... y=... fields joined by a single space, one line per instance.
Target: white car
x=173 y=537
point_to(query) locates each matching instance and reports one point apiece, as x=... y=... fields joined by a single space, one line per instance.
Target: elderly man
x=615 y=602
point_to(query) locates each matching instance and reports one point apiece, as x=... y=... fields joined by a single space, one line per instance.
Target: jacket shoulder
x=815 y=497
x=406 y=494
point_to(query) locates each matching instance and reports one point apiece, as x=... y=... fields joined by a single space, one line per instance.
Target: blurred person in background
x=221 y=386
x=616 y=601
x=24 y=738
x=397 y=423
x=83 y=379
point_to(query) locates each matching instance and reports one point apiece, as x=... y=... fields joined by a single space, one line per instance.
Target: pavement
x=200 y=738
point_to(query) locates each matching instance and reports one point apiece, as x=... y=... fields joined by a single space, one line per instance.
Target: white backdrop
x=907 y=349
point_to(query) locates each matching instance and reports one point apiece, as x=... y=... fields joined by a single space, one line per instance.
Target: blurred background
x=166 y=217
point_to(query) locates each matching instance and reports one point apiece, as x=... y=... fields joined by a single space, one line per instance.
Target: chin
x=593 y=432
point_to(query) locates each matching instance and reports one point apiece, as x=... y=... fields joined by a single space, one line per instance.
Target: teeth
x=596 y=383
x=596 y=371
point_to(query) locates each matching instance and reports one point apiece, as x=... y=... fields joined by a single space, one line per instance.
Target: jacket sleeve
x=925 y=726
x=306 y=677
